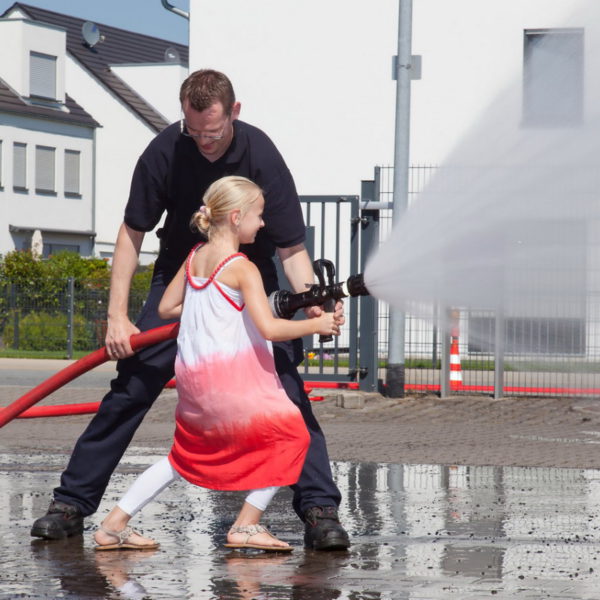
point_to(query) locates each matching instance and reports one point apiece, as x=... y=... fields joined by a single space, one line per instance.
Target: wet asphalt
x=419 y=531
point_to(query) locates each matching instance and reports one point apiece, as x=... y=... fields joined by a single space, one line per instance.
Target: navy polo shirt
x=172 y=175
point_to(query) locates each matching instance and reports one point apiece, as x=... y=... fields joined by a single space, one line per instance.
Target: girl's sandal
x=123 y=543
x=251 y=531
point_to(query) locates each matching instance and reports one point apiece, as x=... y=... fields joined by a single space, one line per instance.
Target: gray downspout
x=174 y=9
x=93 y=252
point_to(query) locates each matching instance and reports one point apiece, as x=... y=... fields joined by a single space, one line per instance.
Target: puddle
x=419 y=532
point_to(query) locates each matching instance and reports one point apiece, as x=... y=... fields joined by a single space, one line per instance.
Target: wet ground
x=467 y=498
x=418 y=532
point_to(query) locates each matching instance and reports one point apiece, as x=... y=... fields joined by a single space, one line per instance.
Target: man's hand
x=125 y=260
x=118 y=334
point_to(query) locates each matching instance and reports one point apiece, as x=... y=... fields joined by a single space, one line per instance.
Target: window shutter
x=72 y=158
x=19 y=165
x=44 y=169
x=42 y=75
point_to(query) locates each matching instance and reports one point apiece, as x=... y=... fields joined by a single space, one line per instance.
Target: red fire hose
x=139 y=340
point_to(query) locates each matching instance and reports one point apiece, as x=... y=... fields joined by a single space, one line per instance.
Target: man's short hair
x=205 y=87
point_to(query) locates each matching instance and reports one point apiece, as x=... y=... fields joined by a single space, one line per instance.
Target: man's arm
x=125 y=261
x=297 y=267
x=299 y=271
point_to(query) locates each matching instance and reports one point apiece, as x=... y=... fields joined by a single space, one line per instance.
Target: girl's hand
x=316 y=311
x=327 y=324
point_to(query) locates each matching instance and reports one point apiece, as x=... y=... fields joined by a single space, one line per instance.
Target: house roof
x=10 y=101
x=117 y=47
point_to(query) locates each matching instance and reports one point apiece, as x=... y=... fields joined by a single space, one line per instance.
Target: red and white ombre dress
x=236 y=428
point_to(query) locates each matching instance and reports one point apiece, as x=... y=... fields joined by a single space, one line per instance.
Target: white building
x=317 y=76
x=74 y=117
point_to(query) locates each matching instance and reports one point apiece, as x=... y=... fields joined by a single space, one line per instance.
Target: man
x=172 y=175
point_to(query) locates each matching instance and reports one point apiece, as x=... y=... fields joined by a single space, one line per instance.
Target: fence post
x=353 y=303
x=368 y=343
x=445 y=358
x=70 y=310
x=499 y=355
x=434 y=341
x=15 y=312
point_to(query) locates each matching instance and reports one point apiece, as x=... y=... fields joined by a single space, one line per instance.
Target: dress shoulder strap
x=188 y=261
x=216 y=271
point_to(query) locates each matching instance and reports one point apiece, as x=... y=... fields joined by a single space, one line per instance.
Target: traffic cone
x=455 y=370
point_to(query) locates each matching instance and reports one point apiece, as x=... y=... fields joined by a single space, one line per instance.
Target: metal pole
x=70 y=311
x=445 y=366
x=396 y=362
x=13 y=306
x=499 y=351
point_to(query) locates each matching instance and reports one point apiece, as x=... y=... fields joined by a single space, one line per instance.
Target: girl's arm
x=172 y=301
x=270 y=327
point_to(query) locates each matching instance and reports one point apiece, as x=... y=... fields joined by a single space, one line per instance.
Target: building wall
x=158 y=84
x=317 y=75
x=120 y=139
x=472 y=53
x=40 y=210
x=18 y=38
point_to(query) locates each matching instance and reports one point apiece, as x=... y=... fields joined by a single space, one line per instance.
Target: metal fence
x=333 y=233
x=556 y=356
x=492 y=354
x=63 y=316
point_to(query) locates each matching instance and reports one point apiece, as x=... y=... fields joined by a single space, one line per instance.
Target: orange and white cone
x=455 y=370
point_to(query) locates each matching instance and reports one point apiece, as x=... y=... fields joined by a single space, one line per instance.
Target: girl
x=236 y=429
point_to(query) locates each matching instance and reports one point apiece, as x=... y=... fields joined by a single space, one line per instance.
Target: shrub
x=44 y=331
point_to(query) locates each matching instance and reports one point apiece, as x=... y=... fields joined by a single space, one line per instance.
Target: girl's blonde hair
x=224 y=195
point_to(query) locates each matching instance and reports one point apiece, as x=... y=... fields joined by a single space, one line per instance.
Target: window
x=0 y=164
x=42 y=75
x=72 y=159
x=553 y=77
x=44 y=169
x=50 y=248
x=20 y=166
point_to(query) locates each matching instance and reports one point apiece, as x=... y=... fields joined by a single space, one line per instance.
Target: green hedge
x=44 y=331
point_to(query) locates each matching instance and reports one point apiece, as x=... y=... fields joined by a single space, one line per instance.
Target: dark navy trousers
x=139 y=382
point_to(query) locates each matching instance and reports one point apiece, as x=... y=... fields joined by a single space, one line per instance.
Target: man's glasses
x=214 y=138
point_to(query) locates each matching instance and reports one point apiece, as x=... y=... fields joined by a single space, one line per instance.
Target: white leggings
x=160 y=475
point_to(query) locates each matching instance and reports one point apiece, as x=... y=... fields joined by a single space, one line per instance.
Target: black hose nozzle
x=284 y=303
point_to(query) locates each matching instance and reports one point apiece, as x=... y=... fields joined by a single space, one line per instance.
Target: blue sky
x=142 y=16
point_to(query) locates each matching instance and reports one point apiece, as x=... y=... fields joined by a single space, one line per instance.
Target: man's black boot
x=323 y=530
x=61 y=521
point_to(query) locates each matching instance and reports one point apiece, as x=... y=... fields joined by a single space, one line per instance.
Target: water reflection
x=418 y=531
